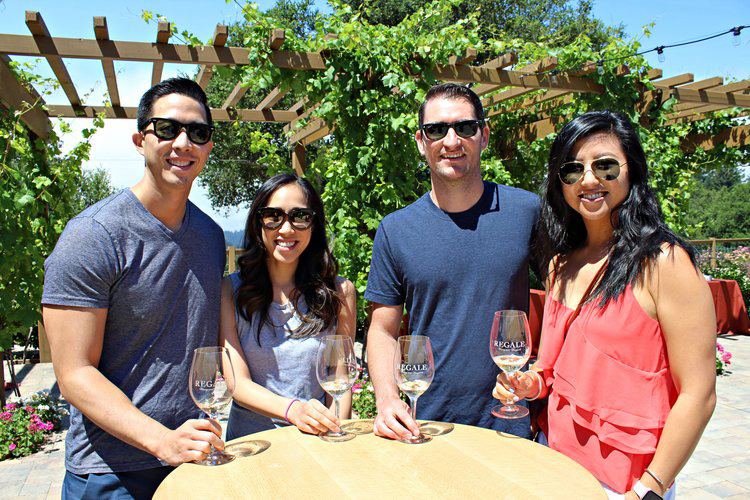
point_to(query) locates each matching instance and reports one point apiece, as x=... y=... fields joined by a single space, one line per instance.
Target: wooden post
x=232 y=259
x=298 y=159
x=2 y=381
x=713 y=252
x=45 y=353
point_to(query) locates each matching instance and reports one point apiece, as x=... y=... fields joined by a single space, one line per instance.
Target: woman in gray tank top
x=274 y=311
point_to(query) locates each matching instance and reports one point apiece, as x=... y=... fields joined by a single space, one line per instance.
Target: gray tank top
x=280 y=363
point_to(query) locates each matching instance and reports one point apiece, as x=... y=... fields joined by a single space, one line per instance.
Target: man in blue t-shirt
x=132 y=287
x=453 y=258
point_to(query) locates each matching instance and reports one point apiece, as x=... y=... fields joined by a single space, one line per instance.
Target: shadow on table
x=247 y=448
x=436 y=428
x=359 y=427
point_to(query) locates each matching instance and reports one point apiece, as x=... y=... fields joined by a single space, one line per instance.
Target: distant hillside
x=234 y=238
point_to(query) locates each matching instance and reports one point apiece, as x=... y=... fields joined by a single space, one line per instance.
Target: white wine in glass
x=413 y=369
x=510 y=348
x=211 y=387
x=336 y=370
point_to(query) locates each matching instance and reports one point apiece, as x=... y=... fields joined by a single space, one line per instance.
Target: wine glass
x=336 y=371
x=414 y=367
x=510 y=348
x=211 y=387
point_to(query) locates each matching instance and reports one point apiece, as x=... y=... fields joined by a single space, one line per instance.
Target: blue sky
x=676 y=21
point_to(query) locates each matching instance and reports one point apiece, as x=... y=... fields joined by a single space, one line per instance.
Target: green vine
x=38 y=186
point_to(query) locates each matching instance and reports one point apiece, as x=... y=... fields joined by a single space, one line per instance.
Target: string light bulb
x=600 y=67
x=660 y=52
x=553 y=77
x=736 y=39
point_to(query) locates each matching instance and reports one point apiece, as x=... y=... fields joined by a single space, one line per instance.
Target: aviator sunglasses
x=167 y=129
x=273 y=218
x=606 y=169
x=464 y=129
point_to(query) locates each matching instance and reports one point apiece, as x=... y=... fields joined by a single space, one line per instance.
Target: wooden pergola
x=499 y=86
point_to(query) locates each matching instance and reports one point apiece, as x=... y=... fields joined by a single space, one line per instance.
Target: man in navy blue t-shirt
x=453 y=258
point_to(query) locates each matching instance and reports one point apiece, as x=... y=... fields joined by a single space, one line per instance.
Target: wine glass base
x=216 y=458
x=510 y=411
x=337 y=437
x=422 y=438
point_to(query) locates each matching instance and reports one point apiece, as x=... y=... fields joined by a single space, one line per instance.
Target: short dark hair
x=184 y=86
x=452 y=91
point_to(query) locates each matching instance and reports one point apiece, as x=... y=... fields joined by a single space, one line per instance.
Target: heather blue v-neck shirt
x=453 y=271
x=162 y=292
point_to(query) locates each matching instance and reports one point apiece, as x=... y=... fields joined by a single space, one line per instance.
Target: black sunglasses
x=464 y=129
x=273 y=218
x=167 y=129
x=606 y=169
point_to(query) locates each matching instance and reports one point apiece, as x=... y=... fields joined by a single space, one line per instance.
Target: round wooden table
x=461 y=461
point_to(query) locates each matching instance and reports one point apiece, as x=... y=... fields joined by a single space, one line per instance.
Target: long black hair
x=639 y=230
x=315 y=276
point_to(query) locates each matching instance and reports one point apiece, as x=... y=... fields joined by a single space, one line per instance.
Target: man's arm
x=76 y=336
x=393 y=420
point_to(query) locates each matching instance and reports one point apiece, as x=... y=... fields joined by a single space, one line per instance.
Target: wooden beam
x=325 y=131
x=711 y=97
x=218 y=114
x=505 y=95
x=674 y=81
x=730 y=87
x=288 y=128
x=467 y=58
x=298 y=105
x=708 y=83
x=506 y=78
x=14 y=95
x=221 y=33
x=298 y=159
x=102 y=33
x=311 y=128
x=735 y=137
x=41 y=35
x=535 y=100
x=76 y=48
x=697 y=117
x=276 y=40
x=272 y=98
x=162 y=37
x=501 y=62
x=539 y=129
x=237 y=93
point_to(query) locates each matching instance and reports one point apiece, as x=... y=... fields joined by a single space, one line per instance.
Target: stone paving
x=719 y=468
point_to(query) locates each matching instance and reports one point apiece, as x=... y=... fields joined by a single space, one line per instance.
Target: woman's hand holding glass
x=312 y=417
x=517 y=386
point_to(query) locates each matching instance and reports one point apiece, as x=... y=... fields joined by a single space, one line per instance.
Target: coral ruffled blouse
x=611 y=388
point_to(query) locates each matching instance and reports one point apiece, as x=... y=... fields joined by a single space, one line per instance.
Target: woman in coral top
x=628 y=336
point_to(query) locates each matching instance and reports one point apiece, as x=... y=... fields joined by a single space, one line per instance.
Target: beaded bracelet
x=286 y=413
x=539 y=377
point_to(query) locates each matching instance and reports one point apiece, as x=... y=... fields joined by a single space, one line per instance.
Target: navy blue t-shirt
x=453 y=271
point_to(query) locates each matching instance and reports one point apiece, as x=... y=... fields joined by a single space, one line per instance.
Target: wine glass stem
x=337 y=403
x=414 y=408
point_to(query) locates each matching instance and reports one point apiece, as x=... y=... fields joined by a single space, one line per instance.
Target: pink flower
x=719 y=347
x=11 y=406
x=11 y=446
x=357 y=386
x=726 y=357
x=6 y=415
